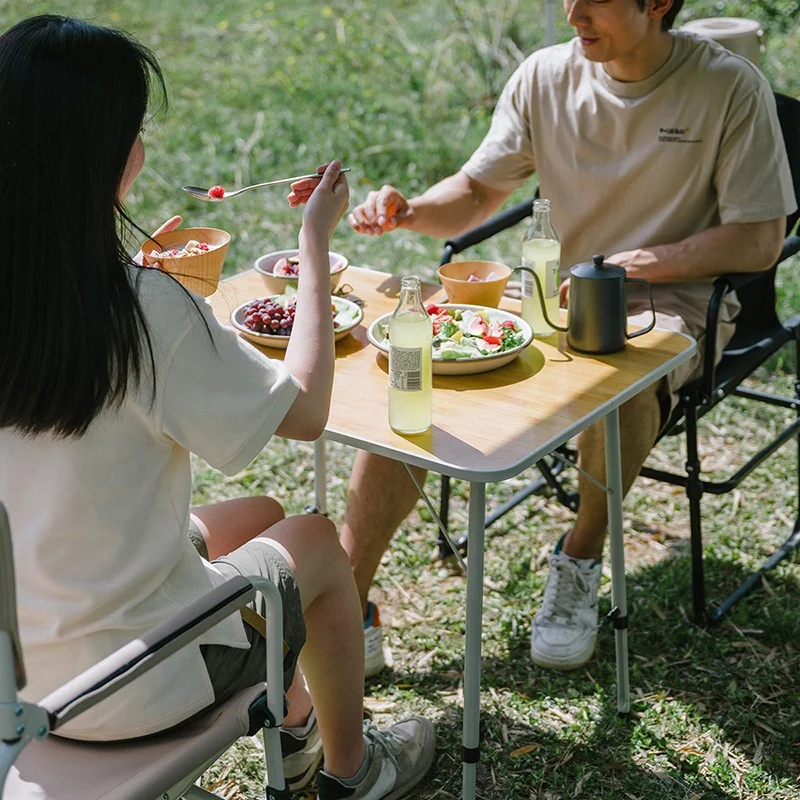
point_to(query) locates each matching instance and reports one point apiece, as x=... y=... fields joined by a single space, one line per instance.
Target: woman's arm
x=310 y=353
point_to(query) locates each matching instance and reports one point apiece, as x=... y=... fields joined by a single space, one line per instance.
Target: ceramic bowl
x=482 y=292
x=376 y=335
x=276 y=284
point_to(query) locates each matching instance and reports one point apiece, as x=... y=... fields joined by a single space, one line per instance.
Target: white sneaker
x=397 y=760
x=302 y=753
x=377 y=654
x=564 y=631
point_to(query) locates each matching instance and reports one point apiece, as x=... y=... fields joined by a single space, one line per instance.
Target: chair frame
x=696 y=400
x=22 y=722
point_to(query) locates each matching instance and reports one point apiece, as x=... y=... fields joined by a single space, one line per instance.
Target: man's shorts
x=230 y=668
x=670 y=386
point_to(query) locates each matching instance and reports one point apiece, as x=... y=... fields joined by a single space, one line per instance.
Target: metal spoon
x=202 y=194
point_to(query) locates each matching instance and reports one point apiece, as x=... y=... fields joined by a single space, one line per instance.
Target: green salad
x=468 y=334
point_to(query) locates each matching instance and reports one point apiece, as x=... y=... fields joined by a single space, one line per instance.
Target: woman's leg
x=333 y=656
x=226 y=526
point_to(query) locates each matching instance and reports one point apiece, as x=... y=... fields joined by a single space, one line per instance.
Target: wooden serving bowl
x=198 y=273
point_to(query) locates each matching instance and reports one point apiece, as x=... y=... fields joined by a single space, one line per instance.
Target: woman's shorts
x=232 y=669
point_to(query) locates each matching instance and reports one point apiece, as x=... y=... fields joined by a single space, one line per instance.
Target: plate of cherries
x=269 y=321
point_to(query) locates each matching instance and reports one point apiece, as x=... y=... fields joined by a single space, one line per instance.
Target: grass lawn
x=402 y=93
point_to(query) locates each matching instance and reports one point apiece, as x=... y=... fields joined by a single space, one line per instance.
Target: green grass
x=402 y=93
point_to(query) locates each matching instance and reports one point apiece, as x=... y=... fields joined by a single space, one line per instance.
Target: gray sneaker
x=398 y=759
x=302 y=753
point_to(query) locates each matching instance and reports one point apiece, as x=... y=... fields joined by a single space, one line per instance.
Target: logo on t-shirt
x=681 y=135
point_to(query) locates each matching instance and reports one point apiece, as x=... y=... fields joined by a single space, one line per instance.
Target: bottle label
x=528 y=286
x=551 y=278
x=550 y=284
x=405 y=368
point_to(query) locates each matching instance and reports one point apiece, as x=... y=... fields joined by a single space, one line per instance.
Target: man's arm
x=450 y=207
x=735 y=247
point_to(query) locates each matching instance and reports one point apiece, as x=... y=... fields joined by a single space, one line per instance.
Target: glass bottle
x=541 y=252
x=410 y=352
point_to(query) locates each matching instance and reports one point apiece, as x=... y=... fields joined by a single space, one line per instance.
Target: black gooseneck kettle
x=598 y=307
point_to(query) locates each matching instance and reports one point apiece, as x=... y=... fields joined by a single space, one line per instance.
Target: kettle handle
x=652 y=308
x=540 y=292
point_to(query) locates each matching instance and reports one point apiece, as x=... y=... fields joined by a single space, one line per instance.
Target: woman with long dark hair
x=110 y=375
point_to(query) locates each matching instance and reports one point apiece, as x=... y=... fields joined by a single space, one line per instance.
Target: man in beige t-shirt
x=661 y=150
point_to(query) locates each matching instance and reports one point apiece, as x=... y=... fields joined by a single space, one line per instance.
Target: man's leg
x=640 y=420
x=381 y=496
x=565 y=629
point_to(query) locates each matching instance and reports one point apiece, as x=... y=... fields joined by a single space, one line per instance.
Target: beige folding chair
x=37 y=766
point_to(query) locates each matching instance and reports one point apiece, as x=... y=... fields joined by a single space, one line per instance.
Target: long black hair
x=73 y=337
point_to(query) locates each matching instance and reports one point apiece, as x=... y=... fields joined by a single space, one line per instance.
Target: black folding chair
x=759 y=335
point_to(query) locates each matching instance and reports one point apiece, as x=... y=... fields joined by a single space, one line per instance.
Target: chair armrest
x=141 y=655
x=722 y=285
x=499 y=222
x=791 y=246
x=737 y=280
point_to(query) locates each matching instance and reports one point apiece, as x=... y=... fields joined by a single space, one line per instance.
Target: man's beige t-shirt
x=628 y=165
x=99 y=523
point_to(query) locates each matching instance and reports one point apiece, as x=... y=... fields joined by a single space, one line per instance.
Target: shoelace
x=565 y=589
x=384 y=739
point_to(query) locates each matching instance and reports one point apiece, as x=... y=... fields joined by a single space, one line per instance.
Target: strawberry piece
x=217 y=191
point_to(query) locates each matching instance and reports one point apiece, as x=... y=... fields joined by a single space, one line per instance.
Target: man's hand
x=381 y=212
x=637 y=263
x=563 y=294
x=169 y=225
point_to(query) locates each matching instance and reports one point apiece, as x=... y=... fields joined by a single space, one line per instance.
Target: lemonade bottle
x=541 y=252
x=410 y=351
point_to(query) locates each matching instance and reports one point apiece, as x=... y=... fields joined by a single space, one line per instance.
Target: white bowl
x=462 y=366
x=276 y=284
x=348 y=315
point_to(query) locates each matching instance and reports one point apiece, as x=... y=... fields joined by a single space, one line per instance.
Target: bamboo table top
x=486 y=427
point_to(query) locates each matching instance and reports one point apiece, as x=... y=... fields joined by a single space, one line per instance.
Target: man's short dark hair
x=669 y=18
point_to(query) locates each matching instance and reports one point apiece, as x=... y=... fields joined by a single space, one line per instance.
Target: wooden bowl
x=476 y=293
x=198 y=273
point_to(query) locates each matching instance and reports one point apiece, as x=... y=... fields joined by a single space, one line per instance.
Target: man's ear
x=656 y=9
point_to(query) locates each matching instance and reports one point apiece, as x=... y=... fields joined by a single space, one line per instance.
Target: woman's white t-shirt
x=99 y=523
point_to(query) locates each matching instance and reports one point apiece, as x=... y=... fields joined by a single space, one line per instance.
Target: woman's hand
x=169 y=225
x=325 y=200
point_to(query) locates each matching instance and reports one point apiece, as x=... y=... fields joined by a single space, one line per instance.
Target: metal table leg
x=620 y=608
x=470 y=750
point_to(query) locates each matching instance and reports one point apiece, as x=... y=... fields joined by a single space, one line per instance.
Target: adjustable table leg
x=617 y=545
x=470 y=750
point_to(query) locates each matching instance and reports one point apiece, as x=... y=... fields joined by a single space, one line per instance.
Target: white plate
x=462 y=366
x=348 y=315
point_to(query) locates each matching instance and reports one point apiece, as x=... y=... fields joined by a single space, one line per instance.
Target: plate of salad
x=269 y=321
x=466 y=339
